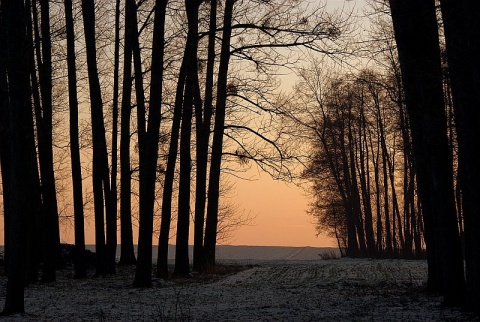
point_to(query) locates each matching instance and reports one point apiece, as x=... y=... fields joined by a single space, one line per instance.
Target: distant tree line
x=177 y=94
x=363 y=180
x=394 y=168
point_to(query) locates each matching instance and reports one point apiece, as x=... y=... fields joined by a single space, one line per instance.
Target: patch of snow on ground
x=329 y=290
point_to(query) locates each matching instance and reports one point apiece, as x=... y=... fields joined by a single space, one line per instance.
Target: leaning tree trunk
x=416 y=34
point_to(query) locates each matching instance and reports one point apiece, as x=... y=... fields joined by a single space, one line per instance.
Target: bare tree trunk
x=20 y=189
x=148 y=142
x=353 y=248
x=162 y=259
x=408 y=181
x=111 y=219
x=127 y=254
x=416 y=34
x=101 y=183
x=376 y=177
x=386 y=203
x=364 y=176
x=79 y=260
x=182 y=266
x=203 y=122
x=462 y=32
x=51 y=243
x=5 y=161
x=35 y=236
x=354 y=193
x=210 y=240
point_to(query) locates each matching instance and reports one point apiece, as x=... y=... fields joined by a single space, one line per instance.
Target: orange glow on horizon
x=279 y=212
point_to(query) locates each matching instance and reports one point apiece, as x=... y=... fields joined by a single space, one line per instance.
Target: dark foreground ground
x=320 y=290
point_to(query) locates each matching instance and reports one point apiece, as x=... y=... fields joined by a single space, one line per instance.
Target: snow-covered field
x=268 y=290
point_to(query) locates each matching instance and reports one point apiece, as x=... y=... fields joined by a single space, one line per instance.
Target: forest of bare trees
x=133 y=113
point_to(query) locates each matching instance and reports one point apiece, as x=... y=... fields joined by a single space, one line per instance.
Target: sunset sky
x=278 y=210
x=281 y=218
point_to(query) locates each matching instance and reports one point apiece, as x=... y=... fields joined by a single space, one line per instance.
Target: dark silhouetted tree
x=148 y=146
x=44 y=125
x=416 y=35
x=127 y=254
x=211 y=223
x=182 y=265
x=79 y=264
x=15 y=63
x=462 y=32
x=100 y=174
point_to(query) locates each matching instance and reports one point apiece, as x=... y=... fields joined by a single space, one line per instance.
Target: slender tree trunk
x=343 y=167
x=127 y=254
x=51 y=230
x=354 y=193
x=365 y=184
x=35 y=236
x=111 y=219
x=162 y=259
x=386 y=203
x=416 y=34
x=149 y=151
x=415 y=213
x=79 y=260
x=182 y=266
x=396 y=209
x=211 y=224
x=101 y=184
x=408 y=181
x=376 y=177
x=462 y=32
x=203 y=121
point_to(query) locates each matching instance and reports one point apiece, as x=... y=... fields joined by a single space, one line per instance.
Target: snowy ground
x=273 y=290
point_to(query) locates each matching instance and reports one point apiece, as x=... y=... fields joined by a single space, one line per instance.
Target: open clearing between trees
x=343 y=289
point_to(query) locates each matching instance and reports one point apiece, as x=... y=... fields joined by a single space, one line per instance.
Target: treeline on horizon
x=164 y=99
